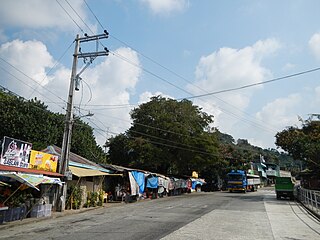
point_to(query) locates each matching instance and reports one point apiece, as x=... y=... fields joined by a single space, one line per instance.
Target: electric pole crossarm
x=93 y=38
x=93 y=54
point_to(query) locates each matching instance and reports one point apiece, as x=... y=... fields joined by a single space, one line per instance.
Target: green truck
x=284 y=187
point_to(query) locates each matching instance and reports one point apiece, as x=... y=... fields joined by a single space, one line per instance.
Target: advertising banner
x=43 y=161
x=15 y=152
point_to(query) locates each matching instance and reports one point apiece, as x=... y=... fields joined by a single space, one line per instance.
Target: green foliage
x=75 y=197
x=18 y=199
x=31 y=121
x=167 y=136
x=84 y=143
x=94 y=199
x=238 y=155
x=302 y=143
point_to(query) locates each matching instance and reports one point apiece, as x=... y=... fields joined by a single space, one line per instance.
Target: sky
x=174 y=48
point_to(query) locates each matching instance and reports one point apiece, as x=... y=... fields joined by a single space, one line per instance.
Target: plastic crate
x=43 y=210
x=2 y=215
x=23 y=212
x=16 y=213
x=37 y=211
x=37 y=214
x=8 y=215
x=39 y=207
x=47 y=210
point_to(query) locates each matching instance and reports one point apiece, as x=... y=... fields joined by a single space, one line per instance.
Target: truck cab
x=284 y=187
x=237 y=181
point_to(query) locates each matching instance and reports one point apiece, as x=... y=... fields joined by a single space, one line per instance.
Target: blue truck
x=237 y=181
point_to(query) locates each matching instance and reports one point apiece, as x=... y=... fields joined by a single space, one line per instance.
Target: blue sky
x=207 y=46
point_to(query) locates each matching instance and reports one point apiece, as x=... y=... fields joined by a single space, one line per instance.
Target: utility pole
x=74 y=83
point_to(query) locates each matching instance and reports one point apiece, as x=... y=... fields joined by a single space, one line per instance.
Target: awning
x=31 y=180
x=4 y=184
x=83 y=172
x=28 y=170
x=252 y=176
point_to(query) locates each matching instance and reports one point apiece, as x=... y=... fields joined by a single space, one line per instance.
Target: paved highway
x=218 y=215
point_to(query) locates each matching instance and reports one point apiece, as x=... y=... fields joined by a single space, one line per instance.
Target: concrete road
x=254 y=216
x=217 y=215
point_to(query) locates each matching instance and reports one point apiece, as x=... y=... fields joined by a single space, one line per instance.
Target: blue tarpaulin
x=195 y=183
x=152 y=182
x=140 y=179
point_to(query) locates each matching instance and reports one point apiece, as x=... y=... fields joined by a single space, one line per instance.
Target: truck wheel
x=278 y=196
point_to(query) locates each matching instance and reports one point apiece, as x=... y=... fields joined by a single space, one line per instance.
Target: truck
x=254 y=182
x=237 y=181
x=284 y=187
x=240 y=180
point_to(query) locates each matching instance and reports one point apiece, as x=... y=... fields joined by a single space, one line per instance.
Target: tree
x=302 y=143
x=167 y=136
x=32 y=122
x=29 y=121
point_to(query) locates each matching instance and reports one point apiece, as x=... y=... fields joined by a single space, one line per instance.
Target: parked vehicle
x=284 y=187
x=253 y=182
x=237 y=181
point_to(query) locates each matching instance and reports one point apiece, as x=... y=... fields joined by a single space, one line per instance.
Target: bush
x=75 y=196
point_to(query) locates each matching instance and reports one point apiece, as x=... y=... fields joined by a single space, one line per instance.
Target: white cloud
x=314 y=44
x=276 y=116
x=288 y=67
x=35 y=14
x=278 y=113
x=31 y=58
x=229 y=68
x=145 y=97
x=111 y=82
x=162 y=7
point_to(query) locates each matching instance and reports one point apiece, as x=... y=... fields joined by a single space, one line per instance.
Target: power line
x=77 y=14
x=163 y=79
x=18 y=96
x=23 y=82
x=70 y=16
x=254 y=84
x=56 y=63
x=18 y=70
x=159 y=138
x=166 y=68
x=167 y=145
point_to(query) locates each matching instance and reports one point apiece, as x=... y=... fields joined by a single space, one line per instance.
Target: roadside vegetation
x=167 y=136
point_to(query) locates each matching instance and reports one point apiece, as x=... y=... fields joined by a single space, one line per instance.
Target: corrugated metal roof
x=83 y=172
x=76 y=160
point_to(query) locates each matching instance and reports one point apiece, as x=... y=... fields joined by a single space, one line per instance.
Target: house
x=87 y=186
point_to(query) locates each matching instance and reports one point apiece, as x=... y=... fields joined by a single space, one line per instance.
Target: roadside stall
x=21 y=196
x=28 y=179
x=152 y=186
x=86 y=188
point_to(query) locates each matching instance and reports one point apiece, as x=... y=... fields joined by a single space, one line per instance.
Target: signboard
x=15 y=153
x=43 y=161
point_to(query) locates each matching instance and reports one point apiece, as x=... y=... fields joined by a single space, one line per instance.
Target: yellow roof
x=83 y=172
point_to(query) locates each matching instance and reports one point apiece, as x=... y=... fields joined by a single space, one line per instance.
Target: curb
x=8 y=225
x=309 y=210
